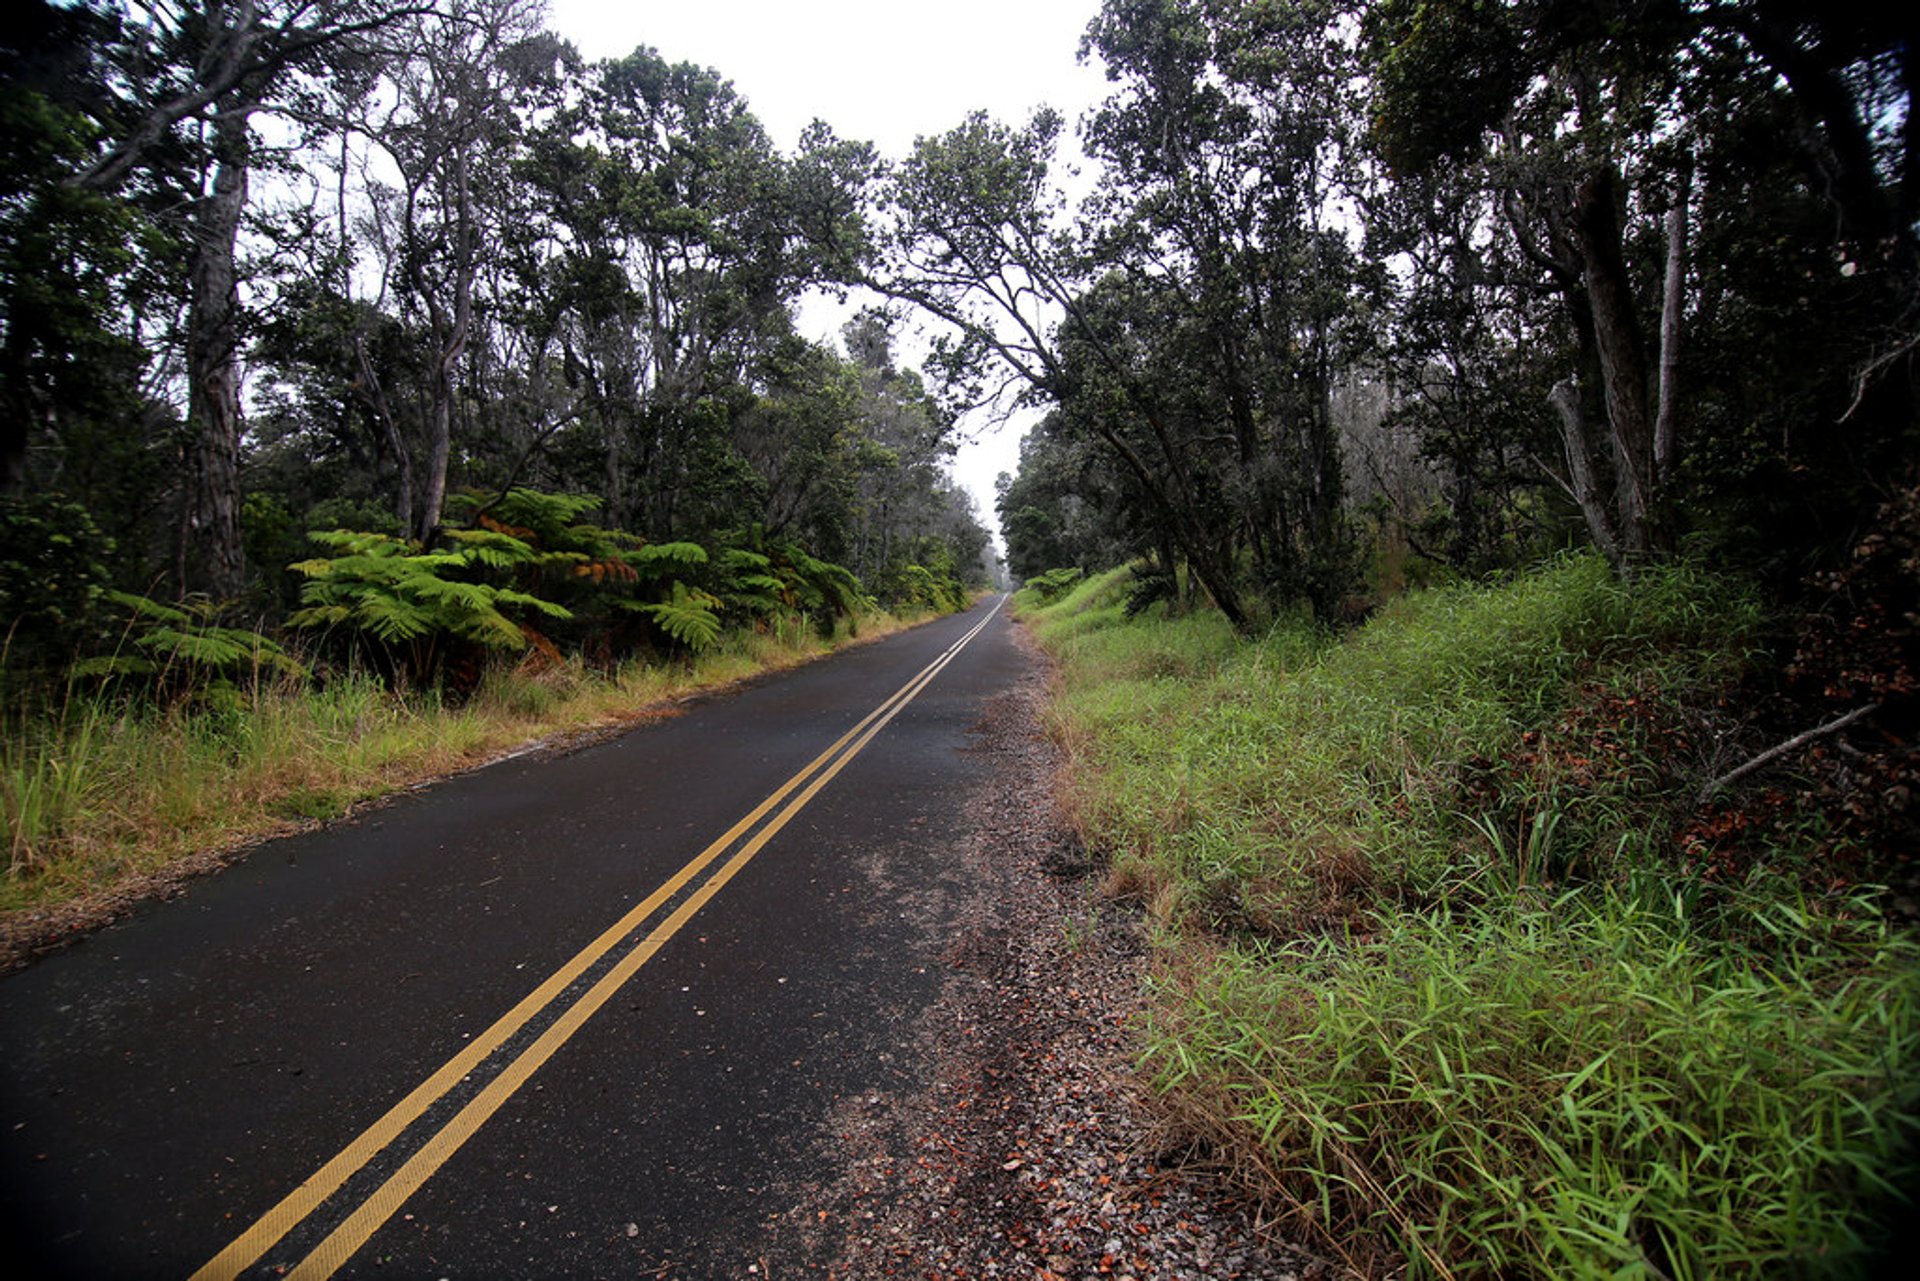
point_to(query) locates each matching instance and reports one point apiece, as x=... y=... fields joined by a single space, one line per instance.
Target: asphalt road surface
x=585 y=1016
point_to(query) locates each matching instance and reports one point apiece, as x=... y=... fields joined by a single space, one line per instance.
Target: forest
x=1360 y=293
x=371 y=348
x=520 y=325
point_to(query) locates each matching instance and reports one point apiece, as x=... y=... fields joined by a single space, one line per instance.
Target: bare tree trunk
x=615 y=488
x=373 y=393
x=1623 y=363
x=210 y=556
x=440 y=423
x=1672 y=306
x=1565 y=399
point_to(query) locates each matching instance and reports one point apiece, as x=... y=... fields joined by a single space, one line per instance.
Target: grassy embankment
x=1442 y=965
x=105 y=789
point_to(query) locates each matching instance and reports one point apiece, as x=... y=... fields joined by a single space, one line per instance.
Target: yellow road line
x=246 y=1249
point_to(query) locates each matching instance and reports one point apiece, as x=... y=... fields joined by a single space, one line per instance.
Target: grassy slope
x=117 y=792
x=1436 y=965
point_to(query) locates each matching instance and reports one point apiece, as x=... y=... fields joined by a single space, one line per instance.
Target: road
x=584 y=1016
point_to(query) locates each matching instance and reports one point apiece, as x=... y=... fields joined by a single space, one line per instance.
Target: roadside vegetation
x=381 y=383
x=106 y=786
x=137 y=733
x=1458 y=962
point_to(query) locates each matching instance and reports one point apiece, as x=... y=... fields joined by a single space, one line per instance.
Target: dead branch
x=1775 y=752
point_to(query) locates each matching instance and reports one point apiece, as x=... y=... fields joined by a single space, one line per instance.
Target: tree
x=451 y=132
x=975 y=243
x=70 y=278
x=1600 y=129
x=1228 y=155
x=208 y=69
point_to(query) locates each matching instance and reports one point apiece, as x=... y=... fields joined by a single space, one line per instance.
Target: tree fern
x=185 y=647
x=411 y=601
x=687 y=615
x=748 y=584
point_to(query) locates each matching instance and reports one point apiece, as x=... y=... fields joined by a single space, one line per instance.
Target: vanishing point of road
x=572 y=1017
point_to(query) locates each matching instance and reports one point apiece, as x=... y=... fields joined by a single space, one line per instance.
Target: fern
x=655 y=560
x=388 y=590
x=185 y=647
x=835 y=587
x=687 y=616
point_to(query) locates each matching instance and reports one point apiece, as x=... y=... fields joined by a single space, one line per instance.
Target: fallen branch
x=1774 y=753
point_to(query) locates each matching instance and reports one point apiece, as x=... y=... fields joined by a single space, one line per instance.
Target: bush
x=55 y=576
x=1051 y=585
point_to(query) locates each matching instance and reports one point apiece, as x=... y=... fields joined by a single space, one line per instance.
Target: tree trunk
x=1672 y=308
x=209 y=558
x=454 y=346
x=1565 y=399
x=374 y=394
x=1623 y=360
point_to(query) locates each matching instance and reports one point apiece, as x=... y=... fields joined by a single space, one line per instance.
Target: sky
x=880 y=71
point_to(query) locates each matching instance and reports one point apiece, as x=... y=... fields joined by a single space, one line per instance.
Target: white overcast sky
x=880 y=71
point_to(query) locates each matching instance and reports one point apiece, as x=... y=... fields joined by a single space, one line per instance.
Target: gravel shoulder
x=1027 y=1147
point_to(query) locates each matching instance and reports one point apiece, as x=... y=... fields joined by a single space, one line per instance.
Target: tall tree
x=450 y=129
x=1599 y=127
x=976 y=242
x=1229 y=173
x=208 y=69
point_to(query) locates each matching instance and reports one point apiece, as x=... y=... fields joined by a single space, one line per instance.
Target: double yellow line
x=384 y=1201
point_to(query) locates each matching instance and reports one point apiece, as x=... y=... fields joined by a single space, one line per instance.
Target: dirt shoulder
x=1031 y=1150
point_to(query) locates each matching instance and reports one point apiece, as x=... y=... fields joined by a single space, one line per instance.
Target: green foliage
x=688 y=615
x=1049 y=586
x=752 y=588
x=47 y=780
x=820 y=588
x=1491 y=1013
x=1574 y=1088
x=410 y=603
x=768 y=575
x=182 y=647
x=55 y=576
x=916 y=587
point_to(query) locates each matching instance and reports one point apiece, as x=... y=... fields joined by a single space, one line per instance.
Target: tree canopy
x=279 y=266
x=1350 y=285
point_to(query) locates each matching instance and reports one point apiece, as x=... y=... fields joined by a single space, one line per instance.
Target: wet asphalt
x=166 y=1082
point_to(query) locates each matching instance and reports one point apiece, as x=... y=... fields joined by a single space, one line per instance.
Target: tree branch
x=1774 y=753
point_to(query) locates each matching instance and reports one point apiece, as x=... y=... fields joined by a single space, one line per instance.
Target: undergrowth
x=104 y=786
x=1445 y=967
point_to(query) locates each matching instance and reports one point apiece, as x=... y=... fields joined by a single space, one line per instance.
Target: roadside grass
x=1435 y=971
x=103 y=789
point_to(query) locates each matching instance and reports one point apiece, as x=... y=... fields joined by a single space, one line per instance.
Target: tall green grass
x=1582 y=1089
x=1433 y=969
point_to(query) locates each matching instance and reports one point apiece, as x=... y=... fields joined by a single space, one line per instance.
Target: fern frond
x=145 y=607
x=527 y=600
x=443 y=591
x=214 y=648
x=656 y=559
x=491 y=627
x=687 y=617
x=320 y=615
x=392 y=619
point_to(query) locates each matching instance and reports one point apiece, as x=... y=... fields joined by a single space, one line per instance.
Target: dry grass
x=106 y=801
